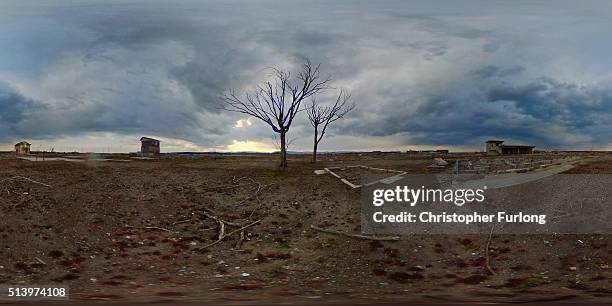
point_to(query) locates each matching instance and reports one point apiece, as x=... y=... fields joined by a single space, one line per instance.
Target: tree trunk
x=283 y=151
x=316 y=144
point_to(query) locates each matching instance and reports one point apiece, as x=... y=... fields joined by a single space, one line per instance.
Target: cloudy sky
x=97 y=75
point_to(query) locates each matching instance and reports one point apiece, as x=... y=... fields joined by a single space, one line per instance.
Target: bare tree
x=277 y=101
x=321 y=117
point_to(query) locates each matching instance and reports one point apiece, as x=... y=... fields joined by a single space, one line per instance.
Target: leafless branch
x=16 y=177
x=288 y=143
x=321 y=117
x=488 y=251
x=221 y=237
x=358 y=236
x=149 y=228
x=217 y=219
x=277 y=101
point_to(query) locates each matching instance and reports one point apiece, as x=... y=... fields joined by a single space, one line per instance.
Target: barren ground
x=88 y=231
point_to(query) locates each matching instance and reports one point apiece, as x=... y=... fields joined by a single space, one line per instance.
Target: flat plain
x=147 y=230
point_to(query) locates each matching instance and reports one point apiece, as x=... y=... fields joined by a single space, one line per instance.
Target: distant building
x=149 y=146
x=497 y=147
x=22 y=148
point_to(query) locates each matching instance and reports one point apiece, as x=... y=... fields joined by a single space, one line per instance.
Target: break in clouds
x=422 y=73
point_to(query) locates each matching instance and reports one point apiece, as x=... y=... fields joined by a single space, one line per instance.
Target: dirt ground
x=140 y=231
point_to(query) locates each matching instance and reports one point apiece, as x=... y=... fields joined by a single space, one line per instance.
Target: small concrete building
x=22 y=148
x=497 y=147
x=149 y=146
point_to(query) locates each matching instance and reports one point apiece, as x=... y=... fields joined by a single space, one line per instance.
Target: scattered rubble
x=385 y=179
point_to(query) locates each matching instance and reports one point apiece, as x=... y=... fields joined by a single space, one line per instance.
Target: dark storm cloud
x=131 y=51
x=14 y=109
x=443 y=73
x=546 y=112
x=571 y=105
x=13 y=106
